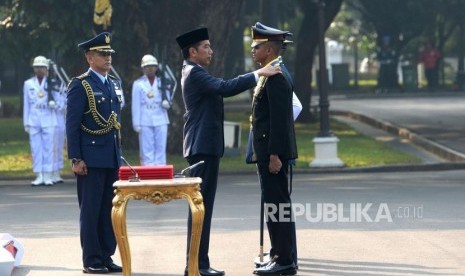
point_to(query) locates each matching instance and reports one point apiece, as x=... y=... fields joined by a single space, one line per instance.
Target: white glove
x=52 y=104
x=26 y=128
x=137 y=129
x=165 y=104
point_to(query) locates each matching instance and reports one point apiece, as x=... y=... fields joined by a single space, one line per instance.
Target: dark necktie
x=108 y=85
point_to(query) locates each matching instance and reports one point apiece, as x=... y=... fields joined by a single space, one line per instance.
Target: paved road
x=438 y=118
x=391 y=223
x=425 y=236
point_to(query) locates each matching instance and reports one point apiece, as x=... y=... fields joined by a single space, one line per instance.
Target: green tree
x=54 y=28
x=41 y=27
x=436 y=20
x=306 y=44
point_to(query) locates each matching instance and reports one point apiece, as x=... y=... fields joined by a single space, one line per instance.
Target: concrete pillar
x=326 y=153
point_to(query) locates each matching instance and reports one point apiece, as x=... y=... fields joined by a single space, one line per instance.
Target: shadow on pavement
x=329 y=267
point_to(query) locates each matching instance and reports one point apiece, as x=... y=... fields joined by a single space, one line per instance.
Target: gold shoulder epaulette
x=83 y=75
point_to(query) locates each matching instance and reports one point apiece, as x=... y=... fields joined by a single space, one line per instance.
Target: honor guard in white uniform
x=150 y=104
x=39 y=118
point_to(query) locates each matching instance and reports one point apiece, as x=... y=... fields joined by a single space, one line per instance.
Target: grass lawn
x=15 y=157
x=355 y=149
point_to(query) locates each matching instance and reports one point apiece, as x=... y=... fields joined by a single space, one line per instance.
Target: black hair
x=277 y=46
x=185 y=50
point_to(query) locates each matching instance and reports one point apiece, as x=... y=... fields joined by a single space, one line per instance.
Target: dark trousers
x=432 y=77
x=387 y=78
x=282 y=232
x=209 y=174
x=95 y=195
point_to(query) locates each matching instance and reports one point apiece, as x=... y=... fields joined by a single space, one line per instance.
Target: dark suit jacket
x=272 y=121
x=203 y=100
x=98 y=151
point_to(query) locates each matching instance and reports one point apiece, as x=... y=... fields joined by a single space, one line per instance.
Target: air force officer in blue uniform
x=203 y=129
x=93 y=134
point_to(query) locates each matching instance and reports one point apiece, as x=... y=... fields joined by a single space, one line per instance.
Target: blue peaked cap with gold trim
x=100 y=43
x=262 y=33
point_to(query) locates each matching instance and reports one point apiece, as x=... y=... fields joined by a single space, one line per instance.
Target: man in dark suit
x=94 y=147
x=203 y=129
x=274 y=146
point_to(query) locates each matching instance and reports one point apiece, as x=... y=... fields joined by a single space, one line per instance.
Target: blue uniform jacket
x=203 y=99
x=97 y=151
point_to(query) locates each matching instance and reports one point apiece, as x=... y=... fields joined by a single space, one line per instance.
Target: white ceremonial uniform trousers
x=41 y=140
x=152 y=145
x=58 y=146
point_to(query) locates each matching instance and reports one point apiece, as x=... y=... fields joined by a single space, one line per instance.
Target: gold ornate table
x=158 y=191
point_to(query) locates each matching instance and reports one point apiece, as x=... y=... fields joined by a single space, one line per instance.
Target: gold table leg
x=158 y=196
x=197 y=210
x=118 y=218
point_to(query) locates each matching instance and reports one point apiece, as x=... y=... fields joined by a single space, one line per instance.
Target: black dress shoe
x=114 y=268
x=207 y=272
x=95 y=270
x=210 y=272
x=276 y=269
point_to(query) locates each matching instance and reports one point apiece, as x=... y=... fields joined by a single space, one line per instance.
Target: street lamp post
x=355 y=62
x=323 y=83
x=325 y=142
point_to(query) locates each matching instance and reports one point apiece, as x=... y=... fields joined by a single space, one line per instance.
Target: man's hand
x=80 y=168
x=275 y=164
x=269 y=71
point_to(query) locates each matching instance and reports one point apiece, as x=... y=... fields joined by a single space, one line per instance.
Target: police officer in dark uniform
x=274 y=146
x=203 y=129
x=93 y=135
x=386 y=56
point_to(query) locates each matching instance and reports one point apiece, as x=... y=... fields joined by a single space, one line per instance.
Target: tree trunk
x=306 y=43
x=234 y=64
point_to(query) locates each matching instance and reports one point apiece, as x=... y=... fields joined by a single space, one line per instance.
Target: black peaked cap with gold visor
x=262 y=33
